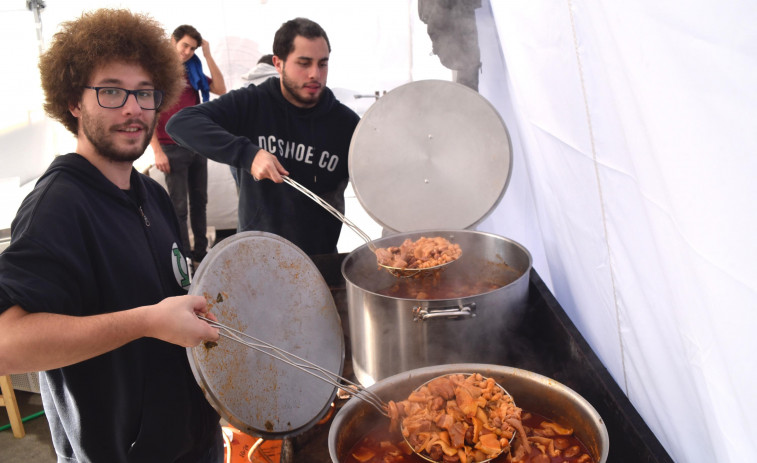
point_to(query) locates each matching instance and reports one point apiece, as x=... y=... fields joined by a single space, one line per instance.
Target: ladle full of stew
x=411 y=258
x=468 y=416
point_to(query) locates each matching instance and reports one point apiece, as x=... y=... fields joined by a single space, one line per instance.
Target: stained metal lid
x=264 y=286
x=430 y=154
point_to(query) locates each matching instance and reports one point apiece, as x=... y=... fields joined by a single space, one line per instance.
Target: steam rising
x=451 y=25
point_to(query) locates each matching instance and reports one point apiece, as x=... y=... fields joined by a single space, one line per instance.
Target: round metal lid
x=266 y=287
x=430 y=154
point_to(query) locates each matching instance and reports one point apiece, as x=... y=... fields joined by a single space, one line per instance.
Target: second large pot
x=531 y=392
x=390 y=334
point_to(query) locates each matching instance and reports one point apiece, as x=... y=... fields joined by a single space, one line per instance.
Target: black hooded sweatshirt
x=311 y=143
x=82 y=246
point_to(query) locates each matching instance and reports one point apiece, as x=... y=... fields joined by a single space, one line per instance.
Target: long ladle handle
x=353 y=389
x=332 y=210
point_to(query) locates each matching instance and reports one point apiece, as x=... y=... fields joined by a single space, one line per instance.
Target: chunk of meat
x=394 y=415
x=572 y=452
x=518 y=425
x=561 y=430
x=363 y=454
x=445 y=421
x=435 y=452
x=457 y=434
x=418 y=424
x=442 y=387
x=466 y=402
x=489 y=444
x=562 y=443
x=548 y=445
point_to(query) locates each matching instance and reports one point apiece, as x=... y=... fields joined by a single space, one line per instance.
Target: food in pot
x=419 y=254
x=466 y=418
x=452 y=283
x=546 y=445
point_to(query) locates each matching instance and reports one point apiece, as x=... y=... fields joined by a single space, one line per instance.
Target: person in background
x=93 y=285
x=288 y=125
x=186 y=171
x=261 y=72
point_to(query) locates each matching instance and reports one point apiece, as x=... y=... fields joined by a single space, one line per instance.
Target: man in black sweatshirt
x=291 y=125
x=93 y=285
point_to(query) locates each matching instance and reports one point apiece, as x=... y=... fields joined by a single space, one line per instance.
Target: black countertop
x=545 y=342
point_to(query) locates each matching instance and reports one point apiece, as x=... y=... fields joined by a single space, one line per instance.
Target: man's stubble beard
x=97 y=134
x=291 y=88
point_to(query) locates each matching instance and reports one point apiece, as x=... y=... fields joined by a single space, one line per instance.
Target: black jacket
x=81 y=246
x=312 y=144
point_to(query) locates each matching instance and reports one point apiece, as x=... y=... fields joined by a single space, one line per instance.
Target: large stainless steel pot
x=531 y=392
x=389 y=334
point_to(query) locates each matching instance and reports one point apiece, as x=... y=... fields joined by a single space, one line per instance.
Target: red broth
x=381 y=446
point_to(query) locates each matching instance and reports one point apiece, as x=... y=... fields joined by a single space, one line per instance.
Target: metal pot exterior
x=531 y=392
x=390 y=335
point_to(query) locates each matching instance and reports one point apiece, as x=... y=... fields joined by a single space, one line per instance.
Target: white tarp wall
x=633 y=127
x=636 y=126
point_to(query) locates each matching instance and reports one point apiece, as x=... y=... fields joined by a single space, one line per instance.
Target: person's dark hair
x=283 y=41
x=97 y=39
x=186 y=29
x=267 y=59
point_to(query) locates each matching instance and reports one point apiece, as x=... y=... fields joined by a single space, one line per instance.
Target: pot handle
x=425 y=313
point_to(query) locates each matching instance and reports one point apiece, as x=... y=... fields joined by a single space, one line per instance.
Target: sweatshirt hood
x=78 y=166
x=260 y=73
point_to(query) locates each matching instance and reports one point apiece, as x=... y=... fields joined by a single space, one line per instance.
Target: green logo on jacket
x=180 y=267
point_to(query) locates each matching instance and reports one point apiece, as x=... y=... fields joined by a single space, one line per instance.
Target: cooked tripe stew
x=380 y=445
x=464 y=418
x=419 y=254
x=457 y=418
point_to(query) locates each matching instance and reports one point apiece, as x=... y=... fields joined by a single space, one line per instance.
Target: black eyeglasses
x=115 y=97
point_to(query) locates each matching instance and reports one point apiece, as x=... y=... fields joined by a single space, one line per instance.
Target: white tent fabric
x=636 y=128
x=634 y=151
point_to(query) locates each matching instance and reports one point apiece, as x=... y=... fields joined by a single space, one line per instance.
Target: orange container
x=243 y=448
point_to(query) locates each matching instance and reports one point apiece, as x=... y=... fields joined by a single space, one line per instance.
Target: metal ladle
x=396 y=271
x=351 y=388
x=427 y=457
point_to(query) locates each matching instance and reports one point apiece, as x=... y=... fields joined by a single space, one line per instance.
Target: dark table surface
x=547 y=343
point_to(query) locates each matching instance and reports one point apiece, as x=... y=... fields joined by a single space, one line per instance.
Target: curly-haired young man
x=93 y=284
